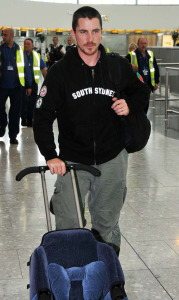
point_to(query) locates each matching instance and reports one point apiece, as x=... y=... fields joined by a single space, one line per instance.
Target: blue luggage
x=71 y=264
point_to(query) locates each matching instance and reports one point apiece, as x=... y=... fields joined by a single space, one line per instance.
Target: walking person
x=33 y=65
x=79 y=93
x=11 y=81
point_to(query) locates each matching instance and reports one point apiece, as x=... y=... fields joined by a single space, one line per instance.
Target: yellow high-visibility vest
x=36 y=66
x=20 y=65
x=46 y=59
x=151 y=64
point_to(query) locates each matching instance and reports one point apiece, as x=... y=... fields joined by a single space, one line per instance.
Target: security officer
x=12 y=78
x=56 y=52
x=33 y=65
x=69 y=43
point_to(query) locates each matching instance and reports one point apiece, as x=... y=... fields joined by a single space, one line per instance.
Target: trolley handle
x=40 y=169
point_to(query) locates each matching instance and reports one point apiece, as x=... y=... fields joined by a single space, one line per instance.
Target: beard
x=88 y=51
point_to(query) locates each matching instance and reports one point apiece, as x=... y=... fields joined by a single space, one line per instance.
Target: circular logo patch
x=43 y=91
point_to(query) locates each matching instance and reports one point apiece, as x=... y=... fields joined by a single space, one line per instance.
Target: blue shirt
x=29 y=74
x=143 y=64
x=10 y=78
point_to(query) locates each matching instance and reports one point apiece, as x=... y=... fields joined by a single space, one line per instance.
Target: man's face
x=55 y=41
x=69 y=41
x=88 y=35
x=28 y=46
x=142 y=45
x=7 y=36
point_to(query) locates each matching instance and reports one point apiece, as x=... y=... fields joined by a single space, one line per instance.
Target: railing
x=167 y=110
x=160 y=65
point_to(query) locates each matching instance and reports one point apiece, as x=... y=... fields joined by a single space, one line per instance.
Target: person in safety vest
x=33 y=65
x=11 y=81
x=132 y=47
x=144 y=62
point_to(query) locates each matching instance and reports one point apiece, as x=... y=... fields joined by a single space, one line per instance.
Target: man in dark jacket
x=56 y=52
x=69 y=43
x=11 y=80
x=144 y=62
x=33 y=65
x=79 y=92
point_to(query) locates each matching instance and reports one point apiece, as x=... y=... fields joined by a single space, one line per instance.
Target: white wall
x=23 y=13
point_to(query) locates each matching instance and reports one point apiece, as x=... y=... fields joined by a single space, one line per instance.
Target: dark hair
x=29 y=39
x=85 y=12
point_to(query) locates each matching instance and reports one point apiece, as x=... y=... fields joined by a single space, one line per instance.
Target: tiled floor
x=149 y=219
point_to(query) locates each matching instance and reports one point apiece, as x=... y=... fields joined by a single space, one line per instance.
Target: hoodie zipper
x=94 y=122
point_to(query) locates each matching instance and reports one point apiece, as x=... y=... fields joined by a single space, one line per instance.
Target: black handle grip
x=76 y=167
x=30 y=170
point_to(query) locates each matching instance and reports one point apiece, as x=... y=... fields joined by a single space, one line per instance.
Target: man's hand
x=28 y=92
x=120 y=107
x=135 y=68
x=156 y=87
x=56 y=166
x=61 y=51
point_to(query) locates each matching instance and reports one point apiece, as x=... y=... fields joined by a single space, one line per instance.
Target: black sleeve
x=135 y=92
x=45 y=114
x=128 y=57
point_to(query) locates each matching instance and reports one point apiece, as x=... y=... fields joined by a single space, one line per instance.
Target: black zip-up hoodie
x=80 y=97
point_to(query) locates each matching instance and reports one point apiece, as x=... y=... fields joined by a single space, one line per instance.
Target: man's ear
x=73 y=35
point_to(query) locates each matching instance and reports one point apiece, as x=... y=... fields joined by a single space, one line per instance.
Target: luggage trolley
x=71 y=264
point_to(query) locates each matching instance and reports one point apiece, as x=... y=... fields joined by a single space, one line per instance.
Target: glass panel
x=56 y=1
x=158 y=2
x=119 y=2
x=129 y=2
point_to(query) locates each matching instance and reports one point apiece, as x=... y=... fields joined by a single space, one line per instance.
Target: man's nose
x=90 y=36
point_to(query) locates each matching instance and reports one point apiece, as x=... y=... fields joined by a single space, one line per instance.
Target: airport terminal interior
x=149 y=220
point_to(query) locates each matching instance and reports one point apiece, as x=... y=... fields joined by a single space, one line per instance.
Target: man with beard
x=79 y=92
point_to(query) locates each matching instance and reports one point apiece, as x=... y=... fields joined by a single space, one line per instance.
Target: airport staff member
x=70 y=43
x=11 y=80
x=79 y=92
x=144 y=62
x=33 y=65
x=56 y=52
